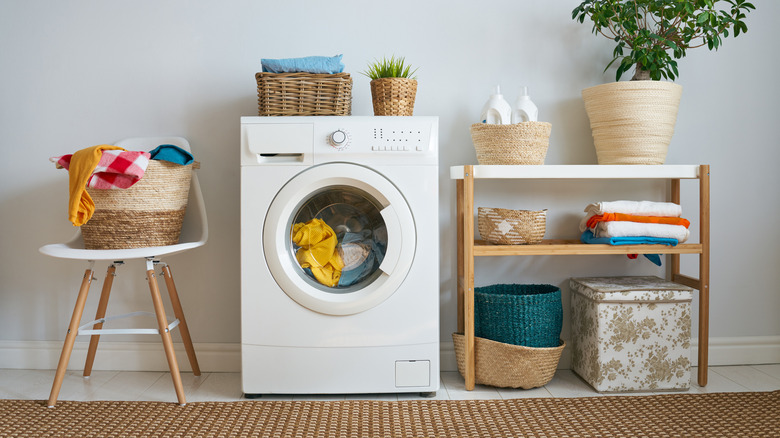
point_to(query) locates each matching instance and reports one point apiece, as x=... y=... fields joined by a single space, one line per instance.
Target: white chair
x=194 y=233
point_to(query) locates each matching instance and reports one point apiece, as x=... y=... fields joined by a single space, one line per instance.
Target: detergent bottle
x=525 y=110
x=496 y=111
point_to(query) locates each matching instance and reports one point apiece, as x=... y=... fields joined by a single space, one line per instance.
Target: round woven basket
x=520 y=143
x=520 y=314
x=393 y=96
x=149 y=213
x=509 y=366
x=632 y=122
x=501 y=226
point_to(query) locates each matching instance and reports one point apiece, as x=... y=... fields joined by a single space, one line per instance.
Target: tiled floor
x=157 y=386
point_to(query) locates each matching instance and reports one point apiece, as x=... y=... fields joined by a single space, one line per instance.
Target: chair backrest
x=195 y=225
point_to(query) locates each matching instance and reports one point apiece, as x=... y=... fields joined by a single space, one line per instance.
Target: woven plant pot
x=520 y=314
x=520 y=143
x=509 y=366
x=632 y=122
x=393 y=96
x=501 y=226
x=149 y=213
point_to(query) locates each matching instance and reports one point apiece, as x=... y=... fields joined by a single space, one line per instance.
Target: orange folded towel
x=609 y=217
x=82 y=164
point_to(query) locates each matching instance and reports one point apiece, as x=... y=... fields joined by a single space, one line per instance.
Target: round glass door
x=339 y=238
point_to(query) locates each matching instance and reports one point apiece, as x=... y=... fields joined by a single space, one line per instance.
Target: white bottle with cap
x=525 y=110
x=496 y=111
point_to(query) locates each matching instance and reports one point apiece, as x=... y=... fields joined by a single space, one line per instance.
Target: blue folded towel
x=310 y=64
x=169 y=152
x=587 y=237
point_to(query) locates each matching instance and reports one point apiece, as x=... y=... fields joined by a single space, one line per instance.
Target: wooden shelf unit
x=468 y=247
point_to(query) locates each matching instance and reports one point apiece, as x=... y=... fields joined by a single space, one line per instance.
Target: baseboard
x=226 y=357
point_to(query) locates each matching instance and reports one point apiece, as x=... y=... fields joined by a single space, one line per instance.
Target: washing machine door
x=339 y=238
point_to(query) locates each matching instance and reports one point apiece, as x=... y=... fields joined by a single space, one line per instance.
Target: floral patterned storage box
x=631 y=333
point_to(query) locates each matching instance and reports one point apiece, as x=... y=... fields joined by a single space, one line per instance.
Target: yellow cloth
x=82 y=164
x=317 y=251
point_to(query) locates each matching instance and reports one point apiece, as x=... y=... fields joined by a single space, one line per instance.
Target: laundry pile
x=633 y=223
x=335 y=259
x=108 y=167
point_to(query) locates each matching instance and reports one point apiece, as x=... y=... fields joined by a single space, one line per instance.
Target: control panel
x=389 y=139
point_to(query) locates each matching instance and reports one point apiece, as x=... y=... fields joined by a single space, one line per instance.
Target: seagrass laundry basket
x=149 y=213
x=304 y=94
x=519 y=143
x=509 y=366
x=502 y=226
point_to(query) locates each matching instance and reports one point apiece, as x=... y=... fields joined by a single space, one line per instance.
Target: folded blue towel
x=587 y=237
x=310 y=64
x=169 y=152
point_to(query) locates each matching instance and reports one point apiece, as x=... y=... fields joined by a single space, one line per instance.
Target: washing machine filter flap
x=339 y=238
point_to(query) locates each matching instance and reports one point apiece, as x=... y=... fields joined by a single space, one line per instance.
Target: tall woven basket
x=304 y=94
x=149 y=213
x=520 y=143
x=509 y=366
x=632 y=122
x=393 y=96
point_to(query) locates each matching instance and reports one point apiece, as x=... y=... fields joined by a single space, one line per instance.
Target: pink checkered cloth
x=117 y=169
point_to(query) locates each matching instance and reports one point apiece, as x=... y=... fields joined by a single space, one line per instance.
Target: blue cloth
x=169 y=152
x=587 y=237
x=374 y=257
x=310 y=64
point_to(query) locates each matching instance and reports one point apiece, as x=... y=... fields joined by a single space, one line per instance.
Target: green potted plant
x=393 y=86
x=650 y=35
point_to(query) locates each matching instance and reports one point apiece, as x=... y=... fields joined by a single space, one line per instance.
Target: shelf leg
x=468 y=276
x=704 y=272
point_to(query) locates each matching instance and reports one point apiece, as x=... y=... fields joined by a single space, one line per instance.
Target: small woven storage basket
x=520 y=314
x=149 y=213
x=520 y=143
x=509 y=366
x=393 y=96
x=501 y=226
x=304 y=94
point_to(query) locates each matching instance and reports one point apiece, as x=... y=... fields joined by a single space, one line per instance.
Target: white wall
x=78 y=73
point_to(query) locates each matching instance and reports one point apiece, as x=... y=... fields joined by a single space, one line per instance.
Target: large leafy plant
x=657 y=32
x=390 y=68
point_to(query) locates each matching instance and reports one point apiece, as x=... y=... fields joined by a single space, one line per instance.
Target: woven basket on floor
x=632 y=122
x=520 y=314
x=509 y=366
x=304 y=94
x=149 y=213
x=520 y=143
x=501 y=226
x=393 y=96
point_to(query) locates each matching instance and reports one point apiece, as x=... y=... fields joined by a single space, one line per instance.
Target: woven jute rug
x=755 y=414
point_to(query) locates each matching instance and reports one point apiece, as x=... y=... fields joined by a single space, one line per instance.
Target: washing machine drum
x=339 y=238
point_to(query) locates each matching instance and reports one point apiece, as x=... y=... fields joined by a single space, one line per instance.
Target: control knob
x=339 y=139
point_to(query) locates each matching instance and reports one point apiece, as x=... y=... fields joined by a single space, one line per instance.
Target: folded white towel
x=630 y=229
x=638 y=208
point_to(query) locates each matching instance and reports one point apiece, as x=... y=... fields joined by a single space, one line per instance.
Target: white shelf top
x=581 y=171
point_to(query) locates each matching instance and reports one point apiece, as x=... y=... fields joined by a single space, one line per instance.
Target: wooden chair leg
x=70 y=337
x=101 y=313
x=162 y=323
x=177 y=310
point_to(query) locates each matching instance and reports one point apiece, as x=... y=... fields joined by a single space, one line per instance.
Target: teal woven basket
x=519 y=314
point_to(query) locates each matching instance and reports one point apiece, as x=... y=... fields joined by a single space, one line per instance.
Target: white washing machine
x=372 y=326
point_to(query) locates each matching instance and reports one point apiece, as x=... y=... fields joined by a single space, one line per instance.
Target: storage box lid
x=621 y=289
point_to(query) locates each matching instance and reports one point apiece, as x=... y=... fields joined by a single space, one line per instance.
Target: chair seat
x=74 y=249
